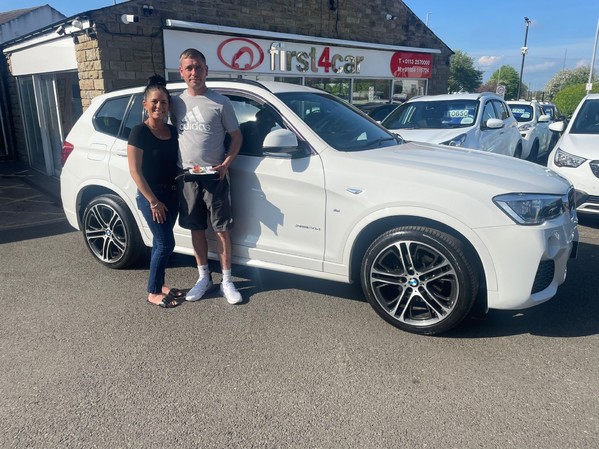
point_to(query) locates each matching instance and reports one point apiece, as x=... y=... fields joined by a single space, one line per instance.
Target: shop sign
x=411 y=65
x=242 y=54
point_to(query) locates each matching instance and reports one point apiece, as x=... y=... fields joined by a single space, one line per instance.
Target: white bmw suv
x=481 y=121
x=321 y=190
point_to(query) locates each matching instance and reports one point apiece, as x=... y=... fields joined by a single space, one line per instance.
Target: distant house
x=20 y=22
x=13 y=25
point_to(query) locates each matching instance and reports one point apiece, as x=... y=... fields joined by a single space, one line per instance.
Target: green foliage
x=567 y=99
x=462 y=74
x=566 y=78
x=508 y=76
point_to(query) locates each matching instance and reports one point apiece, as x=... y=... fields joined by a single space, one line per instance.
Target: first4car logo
x=243 y=54
x=240 y=54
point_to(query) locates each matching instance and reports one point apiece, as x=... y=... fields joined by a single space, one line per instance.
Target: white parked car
x=576 y=154
x=480 y=121
x=431 y=233
x=533 y=124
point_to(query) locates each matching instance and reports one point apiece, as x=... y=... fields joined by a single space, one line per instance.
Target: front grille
x=595 y=168
x=544 y=276
x=592 y=199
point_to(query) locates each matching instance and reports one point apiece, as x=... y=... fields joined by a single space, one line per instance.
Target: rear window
x=109 y=117
x=522 y=112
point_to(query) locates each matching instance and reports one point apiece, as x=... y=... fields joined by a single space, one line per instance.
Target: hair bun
x=156 y=80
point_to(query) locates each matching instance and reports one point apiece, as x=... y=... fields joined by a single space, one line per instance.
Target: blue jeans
x=163 y=241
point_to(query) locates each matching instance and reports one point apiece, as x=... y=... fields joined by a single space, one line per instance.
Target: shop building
x=361 y=51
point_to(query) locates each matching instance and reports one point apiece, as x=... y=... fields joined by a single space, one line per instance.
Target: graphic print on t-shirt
x=194 y=120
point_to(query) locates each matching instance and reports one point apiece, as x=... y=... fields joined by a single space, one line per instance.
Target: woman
x=152 y=152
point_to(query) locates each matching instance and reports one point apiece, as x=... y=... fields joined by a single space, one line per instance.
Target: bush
x=569 y=98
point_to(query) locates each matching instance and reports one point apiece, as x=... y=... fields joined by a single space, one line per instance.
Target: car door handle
x=122 y=153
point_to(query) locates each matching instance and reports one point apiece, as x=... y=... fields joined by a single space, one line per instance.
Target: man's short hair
x=192 y=53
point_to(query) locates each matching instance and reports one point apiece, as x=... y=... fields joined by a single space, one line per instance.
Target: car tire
x=534 y=152
x=419 y=279
x=518 y=151
x=110 y=232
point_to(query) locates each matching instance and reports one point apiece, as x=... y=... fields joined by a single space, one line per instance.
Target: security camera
x=129 y=18
x=60 y=30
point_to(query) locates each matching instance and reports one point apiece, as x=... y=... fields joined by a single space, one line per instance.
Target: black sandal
x=168 y=302
x=177 y=294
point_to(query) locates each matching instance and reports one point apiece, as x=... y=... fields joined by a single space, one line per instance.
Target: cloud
x=486 y=61
x=532 y=68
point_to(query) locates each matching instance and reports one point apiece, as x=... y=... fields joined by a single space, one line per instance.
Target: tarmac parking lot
x=301 y=363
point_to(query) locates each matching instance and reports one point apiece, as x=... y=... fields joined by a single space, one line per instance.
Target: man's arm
x=234 y=147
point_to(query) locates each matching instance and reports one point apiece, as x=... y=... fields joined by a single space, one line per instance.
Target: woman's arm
x=134 y=157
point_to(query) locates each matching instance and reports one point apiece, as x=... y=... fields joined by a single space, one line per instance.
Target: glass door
x=33 y=130
x=50 y=121
x=42 y=121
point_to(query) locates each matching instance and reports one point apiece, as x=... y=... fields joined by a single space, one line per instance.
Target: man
x=203 y=119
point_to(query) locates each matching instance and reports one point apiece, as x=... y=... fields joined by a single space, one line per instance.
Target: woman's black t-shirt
x=159 y=163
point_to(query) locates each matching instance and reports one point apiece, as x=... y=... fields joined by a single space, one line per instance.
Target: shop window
x=336 y=86
x=371 y=91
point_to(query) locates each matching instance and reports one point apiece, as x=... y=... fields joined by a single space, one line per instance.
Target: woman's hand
x=159 y=212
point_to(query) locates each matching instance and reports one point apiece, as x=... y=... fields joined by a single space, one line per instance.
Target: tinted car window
x=335 y=122
x=488 y=112
x=109 y=117
x=255 y=122
x=587 y=119
x=501 y=109
x=135 y=116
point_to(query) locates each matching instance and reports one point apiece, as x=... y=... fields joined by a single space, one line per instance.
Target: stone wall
x=123 y=55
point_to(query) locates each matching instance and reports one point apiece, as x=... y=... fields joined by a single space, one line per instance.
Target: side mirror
x=494 y=123
x=557 y=127
x=544 y=118
x=284 y=144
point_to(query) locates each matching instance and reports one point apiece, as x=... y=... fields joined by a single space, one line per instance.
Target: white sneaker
x=228 y=290
x=199 y=290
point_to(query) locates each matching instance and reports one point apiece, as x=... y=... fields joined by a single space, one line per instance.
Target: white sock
x=226 y=275
x=203 y=270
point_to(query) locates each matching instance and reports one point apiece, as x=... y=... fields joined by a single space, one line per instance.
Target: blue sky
x=561 y=34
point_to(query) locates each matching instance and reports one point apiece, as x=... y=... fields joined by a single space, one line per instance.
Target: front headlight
x=563 y=159
x=525 y=127
x=530 y=208
x=457 y=141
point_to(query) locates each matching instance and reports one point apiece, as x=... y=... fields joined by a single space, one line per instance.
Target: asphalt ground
x=87 y=363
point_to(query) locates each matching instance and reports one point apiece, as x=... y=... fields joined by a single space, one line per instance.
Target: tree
x=568 y=98
x=566 y=78
x=507 y=76
x=462 y=74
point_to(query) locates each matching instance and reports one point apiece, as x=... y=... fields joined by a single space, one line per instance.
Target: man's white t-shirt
x=202 y=122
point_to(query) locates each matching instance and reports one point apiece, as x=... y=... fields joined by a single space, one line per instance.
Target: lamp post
x=524 y=51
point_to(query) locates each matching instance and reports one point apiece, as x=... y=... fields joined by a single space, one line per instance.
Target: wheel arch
x=371 y=231
x=87 y=193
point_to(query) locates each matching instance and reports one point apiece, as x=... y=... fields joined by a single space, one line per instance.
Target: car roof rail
x=231 y=80
x=239 y=80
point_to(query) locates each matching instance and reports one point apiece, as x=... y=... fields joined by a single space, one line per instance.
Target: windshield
x=587 y=118
x=335 y=122
x=522 y=112
x=433 y=115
